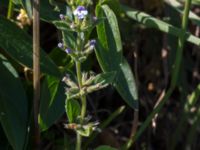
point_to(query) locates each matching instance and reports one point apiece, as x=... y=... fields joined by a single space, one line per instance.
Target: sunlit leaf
x=152 y=22
x=109 y=55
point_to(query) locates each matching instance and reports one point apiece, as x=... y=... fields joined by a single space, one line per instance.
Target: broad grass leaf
x=152 y=22
x=18 y=45
x=13 y=105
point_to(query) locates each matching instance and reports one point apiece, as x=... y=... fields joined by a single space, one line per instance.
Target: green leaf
x=125 y=84
x=52 y=102
x=28 y=6
x=62 y=25
x=13 y=105
x=109 y=54
x=49 y=10
x=73 y=109
x=60 y=58
x=104 y=147
x=69 y=39
x=105 y=78
x=18 y=45
x=16 y=2
x=109 y=35
x=152 y=22
x=67 y=33
x=113 y=4
x=179 y=8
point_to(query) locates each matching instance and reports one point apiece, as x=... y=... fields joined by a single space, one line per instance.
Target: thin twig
x=156 y=105
x=36 y=70
x=135 y=123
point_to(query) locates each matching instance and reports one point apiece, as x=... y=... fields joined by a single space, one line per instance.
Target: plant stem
x=175 y=73
x=36 y=71
x=181 y=41
x=10 y=9
x=78 y=141
x=83 y=106
x=83 y=98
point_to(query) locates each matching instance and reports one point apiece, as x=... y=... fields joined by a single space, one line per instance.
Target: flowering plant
x=80 y=26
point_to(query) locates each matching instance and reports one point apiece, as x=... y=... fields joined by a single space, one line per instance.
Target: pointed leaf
x=69 y=39
x=52 y=102
x=109 y=35
x=109 y=54
x=73 y=109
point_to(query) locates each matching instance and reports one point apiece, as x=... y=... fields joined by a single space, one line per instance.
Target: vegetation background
x=149 y=30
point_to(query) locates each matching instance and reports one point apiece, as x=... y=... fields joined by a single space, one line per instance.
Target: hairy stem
x=83 y=98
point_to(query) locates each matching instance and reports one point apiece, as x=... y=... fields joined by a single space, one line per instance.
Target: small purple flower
x=80 y=12
x=68 y=51
x=60 y=45
x=92 y=44
x=62 y=17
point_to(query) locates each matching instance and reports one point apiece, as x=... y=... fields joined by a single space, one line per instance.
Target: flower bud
x=60 y=45
x=92 y=44
x=62 y=17
x=81 y=12
x=68 y=50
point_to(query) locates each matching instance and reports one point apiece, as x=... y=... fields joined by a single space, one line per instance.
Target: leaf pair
x=72 y=106
x=110 y=58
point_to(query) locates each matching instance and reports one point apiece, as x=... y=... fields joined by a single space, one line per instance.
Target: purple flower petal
x=67 y=50
x=80 y=12
x=92 y=42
